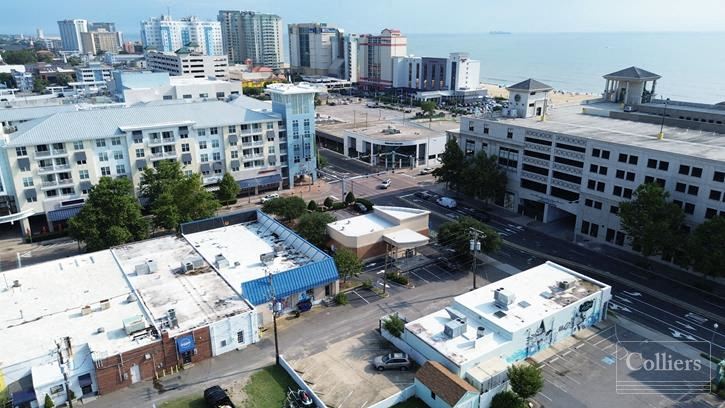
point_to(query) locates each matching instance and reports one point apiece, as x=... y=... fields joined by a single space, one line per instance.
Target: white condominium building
x=375 y=54
x=251 y=35
x=189 y=64
x=457 y=72
x=317 y=49
x=167 y=35
x=578 y=163
x=49 y=164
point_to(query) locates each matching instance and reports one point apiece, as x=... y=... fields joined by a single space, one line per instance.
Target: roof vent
x=503 y=298
x=220 y=261
x=16 y=283
x=131 y=298
x=564 y=285
x=101 y=330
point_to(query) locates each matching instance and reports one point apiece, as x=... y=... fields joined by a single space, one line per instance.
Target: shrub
x=367 y=284
x=312 y=205
x=349 y=198
x=394 y=324
x=48 y=402
x=338 y=206
x=507 y=399
x=328 y=202
x=341 y=298
x=367 y=203
x=397 y=278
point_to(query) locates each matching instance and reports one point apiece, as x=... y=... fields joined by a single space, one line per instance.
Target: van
x=447 y=202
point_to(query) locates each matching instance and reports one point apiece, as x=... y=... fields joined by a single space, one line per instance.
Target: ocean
x=692 y=65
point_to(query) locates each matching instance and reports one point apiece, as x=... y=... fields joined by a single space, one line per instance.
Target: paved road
x=654 y=307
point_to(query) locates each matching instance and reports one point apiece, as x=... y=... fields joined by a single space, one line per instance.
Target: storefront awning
x=79 y=156
x=405 y=239
x=218 y=165
x=186 y=157
x=205 y=168
x=23 y=397
x=185 y=343
x=64 y=213
x=260 y=181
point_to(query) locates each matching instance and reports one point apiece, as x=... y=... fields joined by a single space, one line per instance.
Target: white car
x=426 y=170
x=447 y=202
x=385 y=184
x=269 y=197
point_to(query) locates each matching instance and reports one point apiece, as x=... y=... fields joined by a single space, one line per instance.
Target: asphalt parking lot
x=343 y=375
x=593 y=372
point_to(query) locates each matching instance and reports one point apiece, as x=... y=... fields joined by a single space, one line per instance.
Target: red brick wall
x=114 y=373
x=371 y=251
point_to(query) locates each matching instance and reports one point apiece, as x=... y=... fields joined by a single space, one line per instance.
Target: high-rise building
x=350 y=50
x=193 y=65
x=167 y=35
x=39 y=33
x=375 y=55
x=457 y=72
x=317 y=49
x=70 y=34
x=250 y=35
x=101 y=40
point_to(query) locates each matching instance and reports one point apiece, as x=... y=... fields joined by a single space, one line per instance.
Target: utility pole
x=275 y=310
x=385 y=273
x=475 y=247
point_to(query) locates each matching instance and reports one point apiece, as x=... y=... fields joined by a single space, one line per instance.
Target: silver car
x=398 y=361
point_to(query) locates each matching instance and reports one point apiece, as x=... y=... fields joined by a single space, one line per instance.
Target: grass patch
x=411 y=403
x=185 y=402
x=268 y=388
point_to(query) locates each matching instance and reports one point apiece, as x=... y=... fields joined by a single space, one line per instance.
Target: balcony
x=53 y=169
x=161 y=141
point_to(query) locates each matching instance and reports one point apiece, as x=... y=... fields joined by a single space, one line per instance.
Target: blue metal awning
x=22 y=397
x=260 y=181
x=290 y=282
x=64 y=213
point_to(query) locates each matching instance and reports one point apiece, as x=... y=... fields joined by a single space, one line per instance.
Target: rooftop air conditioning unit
x=173 y=321
x=105 y=304
x=267 y=258
x=503 y=298
x=86 y=310
x=454 y=328
x=221 y=262
x=564 y=285
x=133 y=324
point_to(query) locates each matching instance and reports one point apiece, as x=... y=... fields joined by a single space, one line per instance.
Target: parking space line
x=557 y=386
x=545 y=396
x=603 y=340
x=358 y=295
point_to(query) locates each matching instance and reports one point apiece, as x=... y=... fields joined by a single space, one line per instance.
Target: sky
x=410 y=16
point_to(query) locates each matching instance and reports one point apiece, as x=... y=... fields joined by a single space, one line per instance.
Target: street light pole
x=662 y=124
x=385 y=269
x=475 y=247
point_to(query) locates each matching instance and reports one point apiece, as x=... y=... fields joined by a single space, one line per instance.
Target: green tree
x=482 y=177
x=507 y=399
x=321 y=160
x=175 y=198
x=63 y=79
x=7 y=79
x=456 y=234
x=19 y=57
x=313 y=227
x=74 y=60
x=228 y=188
x=328 y=202
x=111 y=216
x=44 y=56
x=394 y=324
x=348 y=264
x=48 y=402
x=289 y=208
x=349 y=198
x=452 y=166
x=526 y=380
x=39 y=85
x=312 y=205
x=428 y=107
x=707 y=247
x=653 y=223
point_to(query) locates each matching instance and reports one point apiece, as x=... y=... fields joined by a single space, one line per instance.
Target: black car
x=216 y=397
x=361 y=208
x=425 y=195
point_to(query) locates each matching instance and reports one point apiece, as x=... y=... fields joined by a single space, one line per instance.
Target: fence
x=296 y=377
x=399 y=397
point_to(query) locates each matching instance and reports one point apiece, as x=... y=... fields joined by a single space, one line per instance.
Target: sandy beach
x=558 y=98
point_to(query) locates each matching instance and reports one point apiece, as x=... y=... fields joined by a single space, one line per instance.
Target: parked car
x=360 y=207
x=399 y=361
x=385 y=184
x=630 y=108
x=269 y=197
x=425 y=195
x=447 y=202
x=426 y=170
x=216 y=397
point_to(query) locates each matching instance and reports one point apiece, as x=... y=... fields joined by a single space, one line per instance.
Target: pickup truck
x=216 y=397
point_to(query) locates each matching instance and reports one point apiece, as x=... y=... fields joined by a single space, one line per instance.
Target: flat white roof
x=375 y=221
x=198 y=297
x=288 y=89
x=46 y=304
x=538 y=296
x=242 y=245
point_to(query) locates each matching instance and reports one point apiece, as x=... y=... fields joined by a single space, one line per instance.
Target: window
x=719 y=176
x=270 y=149
x=220 y=95
x=710 y=212
x=213 y=131
x=651 y=163
x=120 y=169
x=204 y=157
x=223 y=343
x=622 y=158
x=633 y=160
x=137 y=136
x=680 y=187
x=101 y=143
x=270 y=125
x=202 y=145
x=67 y=191
x=187 y=96
x=509 y=133
x=83 y=174
x=216 y=156
x=215 y=143
x=78 y=145
x=184 y=147
x=103 y=156
x=693 y=190
x=235 y=154
x=118 y=155
x=232 y=129
x=663 y=165
x=140 y=153
x=203 y=95
x=684 y=169
x=470 y=126
x=508 y=157
x=689 y=208
x=598 y=205
x=201 y=132
x=715 y=195
x=27 y=182
x=21 y=151
x=432 y=395
x=617 y=191
x=51 y=193
x=115 y=141
x=660 y=182
x=614 y=209
x=659 y=165
x=485 y=129
x=105 y=171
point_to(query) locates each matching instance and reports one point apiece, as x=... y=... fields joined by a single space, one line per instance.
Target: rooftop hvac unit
x=278 y=247
x=105 y=304
x=267 y=258
x=133 y=324
x=221 y=262
x=131 y=298
x=191 y=263
x=564 y=285
x=148 y=266
x=173 y=321
x=454 y=328
x=503 y=298
x=86 y=310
